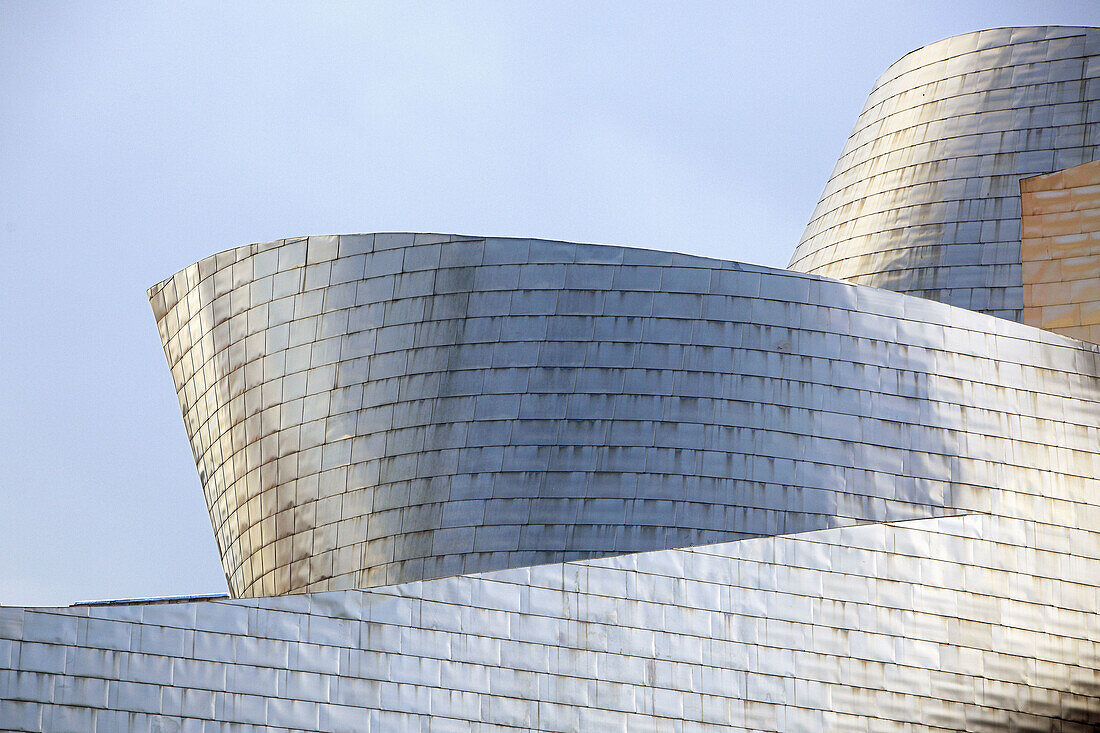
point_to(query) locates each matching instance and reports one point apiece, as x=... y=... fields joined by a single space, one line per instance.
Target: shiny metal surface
x=416 y=406
x=965 y=623
x=462 y=483
x=925 y=199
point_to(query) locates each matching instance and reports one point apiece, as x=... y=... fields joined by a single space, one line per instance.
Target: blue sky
x=138 y=138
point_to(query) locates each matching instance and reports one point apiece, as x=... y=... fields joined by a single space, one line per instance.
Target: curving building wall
x=375 y=409
x=960 y=623
x=514 y=484
x=925 y=198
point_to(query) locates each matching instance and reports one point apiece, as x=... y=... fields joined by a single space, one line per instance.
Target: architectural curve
x=957 y=623
x=516 y=484
x=374 y=409
x=925 y=198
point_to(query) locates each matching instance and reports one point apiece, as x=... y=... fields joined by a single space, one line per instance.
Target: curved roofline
x=903 y=57
x=997 y=28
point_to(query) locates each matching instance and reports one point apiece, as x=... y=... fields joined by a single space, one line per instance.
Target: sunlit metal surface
x=925 y=197
x=975 y=623
x=466 y=483
x=383 y=408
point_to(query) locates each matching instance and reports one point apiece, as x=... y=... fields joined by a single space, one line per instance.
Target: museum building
x=461 y=482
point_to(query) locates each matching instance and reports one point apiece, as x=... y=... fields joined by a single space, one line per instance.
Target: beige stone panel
x=1089 y=218
x=1073 y=245
x=1033 y=249
x=1054 y=223
x=1084 y=333
x=1057 y=317
x=1078 y=268
x=1081 y=176
x=1041 y=271
x=1090 y=313
x=1048 y=202
x=1046 y=294
x=1082 y=291
x=1060 y=251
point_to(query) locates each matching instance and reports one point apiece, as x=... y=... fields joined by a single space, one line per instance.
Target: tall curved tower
x=925 y=198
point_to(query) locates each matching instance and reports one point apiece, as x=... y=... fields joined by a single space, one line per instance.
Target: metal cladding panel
x=925 y=199
x=976 y=623
x=373 y=409
x=462 y=483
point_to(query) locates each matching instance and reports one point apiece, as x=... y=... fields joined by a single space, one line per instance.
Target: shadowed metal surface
x=372 y=409
x=925 y=197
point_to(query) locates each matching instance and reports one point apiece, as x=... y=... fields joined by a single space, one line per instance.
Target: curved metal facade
x=500 y=484
x=383 y=408
x=959 y=623
x=925 y=198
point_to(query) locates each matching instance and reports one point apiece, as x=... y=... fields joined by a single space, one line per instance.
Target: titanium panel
x=460 y=417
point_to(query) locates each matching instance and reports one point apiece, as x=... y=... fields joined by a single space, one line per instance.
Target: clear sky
x=138 y=138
